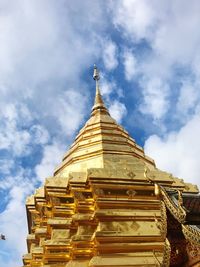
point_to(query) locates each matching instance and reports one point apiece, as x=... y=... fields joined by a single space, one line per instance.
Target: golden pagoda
x=108 y=205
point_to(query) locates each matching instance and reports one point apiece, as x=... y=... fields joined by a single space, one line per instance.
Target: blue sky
x=148 y=53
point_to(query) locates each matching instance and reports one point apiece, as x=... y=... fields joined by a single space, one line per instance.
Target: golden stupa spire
x=98 y=102
x=102 y=141
x=108 y=205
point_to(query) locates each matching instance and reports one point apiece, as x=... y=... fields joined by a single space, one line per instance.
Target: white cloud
x=136 y=17
x=170 y=31
x=41 y=135
x=13 y=218
x=6 y=165
x=165 y=25
x=11 y=137
x=107 y=87
x=155 y=98
x=176 y=28
x=39 y=41
x=42 y=48
x=18 y=131
x=110 y=55
x=117 y=110
x=130 y=65
x=69 y=110
x=187 y=101
x=13 y=226
x=187 y=97
x=51 y=157
x=178 y=152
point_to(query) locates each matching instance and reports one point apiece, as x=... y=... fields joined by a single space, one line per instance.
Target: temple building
x=107 y=204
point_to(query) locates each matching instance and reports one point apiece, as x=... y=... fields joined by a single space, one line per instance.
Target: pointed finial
x=98 y=103
x=96 y=76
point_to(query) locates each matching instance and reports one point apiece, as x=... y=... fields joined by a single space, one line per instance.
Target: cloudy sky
x=149 y=56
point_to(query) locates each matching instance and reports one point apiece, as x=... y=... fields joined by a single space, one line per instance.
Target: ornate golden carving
x=192 y=233
x=177 y=211
x=131 y=193
x=131 y=174
x=166 y=256
x=99 y=192
x=79 y=195
x=180 y=198
x=163 y=220
x=146 y=176
x=156 y=259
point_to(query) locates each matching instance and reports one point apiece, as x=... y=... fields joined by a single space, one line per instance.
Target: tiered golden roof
x=106 y=203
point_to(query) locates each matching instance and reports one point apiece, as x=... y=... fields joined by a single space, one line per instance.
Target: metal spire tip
x=96 y=76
